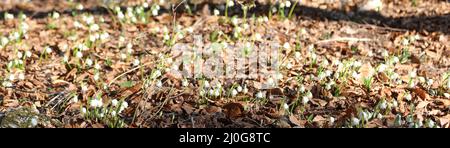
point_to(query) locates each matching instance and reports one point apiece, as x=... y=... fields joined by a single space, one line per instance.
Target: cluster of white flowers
x=97 y=102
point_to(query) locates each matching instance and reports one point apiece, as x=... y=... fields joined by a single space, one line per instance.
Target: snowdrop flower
x=331 y=122
x=96 y=76
x=385 y=53
x=4 y=41
x=234 y=92
x=285 y=106
x=234 y=21
x=230 y=3
x=79 y=54
x=92 y=38
x=7 y=84
x=136 y=62
x=394 y=103
x=408 y=97
x=94 y=27
x=97 y=66
x=75 y=99
x=421 y=79
x=259 y=95
x=96 y=103
x=357 y=64
x=430 y=82
x=9 y=16
x=154 y=12
x=270 y=81
x=216 y=12
x=309 y=95
x=77 y=24
x=114 y=102
x=11 y=77
x=305 y=100
x=288 y=3
x=328 y=73
x=297 y=55
x=55 y=15
x=245 y=90
x=355 y=75
x=157 y=73
x=83 y=110
x=89 y=62
x=302 y=89
x=239 y=88
x=113 y=113
x=382 y=68
x=286 y=45
x=289 y=65
x=448 y=84
x=395 y=60
x=206 y=84
x=120 y=15
x=84 y=88
x=27 y=53
x=383 y=104
x=211 y=92
x=19 y=54
x=104 y=36
x=159 y=84
x=123 y=106
x=266 y=19
x=80 y=7
x=328 y=85
x=217 y=92
x=430 y=123
x=282 y=5
x=21 y=76
x=447 y=95
x=405 y=42
x=185 y=83
x=413 y=74
x=355 y=121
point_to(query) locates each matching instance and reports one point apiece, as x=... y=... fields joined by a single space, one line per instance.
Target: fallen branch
x=345 y=39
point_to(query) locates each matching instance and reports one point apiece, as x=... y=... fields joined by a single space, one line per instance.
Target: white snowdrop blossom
x=136 y=62
x=9 y=16
x=94 y=27
x=234 y=92
x=288 y=3
x=216 y=12
x=114 y=102
x=305 y=99
x=89 y=62
x=382 y=68
x=185 y=83
x=230 y=3
x=96 y=103
x=286 y=45
x=83 y=110
x=79 y=55
x=75 y=99
x=355 y=121
x=408 y=97
x=159 y=84
x=285 y=106
x=48 y=50
x=259 y=95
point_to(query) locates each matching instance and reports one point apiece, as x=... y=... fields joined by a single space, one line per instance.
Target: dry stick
x=348 y=39
x=131 y=70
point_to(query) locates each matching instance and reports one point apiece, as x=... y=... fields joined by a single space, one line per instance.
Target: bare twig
x=345 y=39
x=129 y=71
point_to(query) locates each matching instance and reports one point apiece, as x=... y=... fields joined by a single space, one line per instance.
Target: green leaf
x=126 y=84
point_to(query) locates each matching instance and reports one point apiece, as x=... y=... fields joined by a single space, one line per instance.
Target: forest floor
x=67 y=66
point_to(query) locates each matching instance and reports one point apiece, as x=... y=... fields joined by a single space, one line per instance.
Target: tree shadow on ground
x=437 y=23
